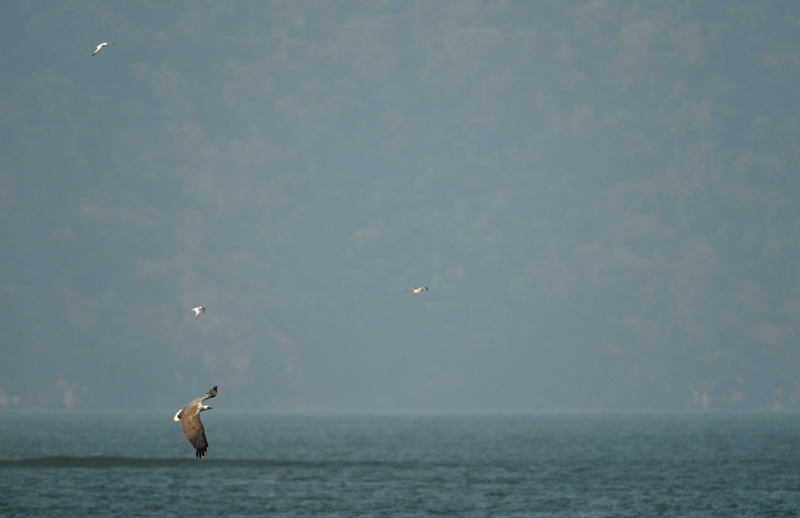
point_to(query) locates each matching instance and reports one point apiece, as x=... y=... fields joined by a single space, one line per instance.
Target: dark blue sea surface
x=81 y=463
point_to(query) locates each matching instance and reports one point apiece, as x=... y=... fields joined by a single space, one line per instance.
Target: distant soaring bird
x=198 y=310
x=416 y=289
x=189 y=416
x=102 y=45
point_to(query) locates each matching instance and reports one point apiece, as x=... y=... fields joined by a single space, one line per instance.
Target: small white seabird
x=189 y=416
x=101 y=46
x=417 y=289
x=198 y=310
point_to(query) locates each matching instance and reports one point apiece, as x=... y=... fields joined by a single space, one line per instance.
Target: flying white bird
x=189 y=416
x=417 y=289
x=198 y=310
x=101 y=46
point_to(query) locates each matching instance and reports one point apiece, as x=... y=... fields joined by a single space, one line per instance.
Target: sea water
x=81 y=463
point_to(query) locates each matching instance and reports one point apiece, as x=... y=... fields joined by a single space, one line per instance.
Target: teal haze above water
x=601 y=196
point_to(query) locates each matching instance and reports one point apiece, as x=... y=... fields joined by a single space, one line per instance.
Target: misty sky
x=603 y=198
